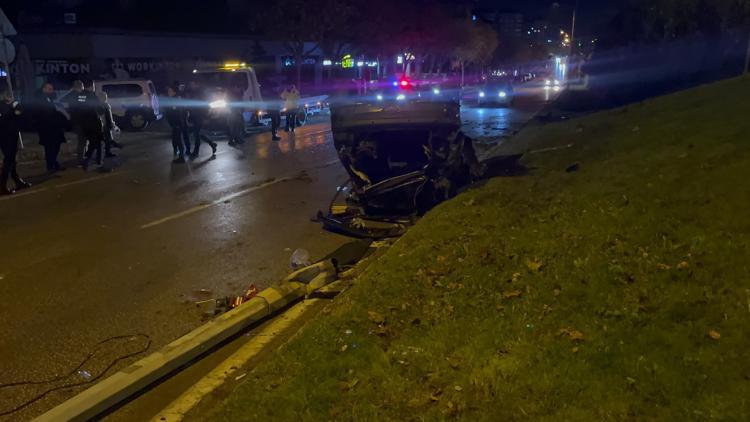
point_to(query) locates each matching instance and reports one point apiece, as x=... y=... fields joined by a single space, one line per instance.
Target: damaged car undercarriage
x=403 y=158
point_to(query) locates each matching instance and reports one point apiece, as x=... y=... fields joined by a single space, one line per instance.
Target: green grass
x=587 y=295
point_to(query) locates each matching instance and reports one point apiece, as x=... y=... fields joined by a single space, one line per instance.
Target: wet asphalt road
x=89 y=256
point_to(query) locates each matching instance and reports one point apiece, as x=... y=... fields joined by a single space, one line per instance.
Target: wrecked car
x=404 y=153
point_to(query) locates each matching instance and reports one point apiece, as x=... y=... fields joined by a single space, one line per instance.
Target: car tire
x=136 y=120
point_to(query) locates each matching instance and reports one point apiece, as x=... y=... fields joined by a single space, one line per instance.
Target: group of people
x=186 y=113
x=89 y=114
x=92 y=121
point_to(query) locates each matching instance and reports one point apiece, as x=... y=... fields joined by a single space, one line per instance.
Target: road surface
x=122 y=257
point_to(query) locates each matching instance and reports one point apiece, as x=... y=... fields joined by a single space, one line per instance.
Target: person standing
x=176 y=117
x=235 y=120
x=75 y=109
x=110 y=127
x=50 y=125
x=274 y=113
x=275 y=116
x=197 y=116
x=291 y=104
x=10 y=133
x=85 y=111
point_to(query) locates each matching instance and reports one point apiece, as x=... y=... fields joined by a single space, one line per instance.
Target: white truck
x=234 y=85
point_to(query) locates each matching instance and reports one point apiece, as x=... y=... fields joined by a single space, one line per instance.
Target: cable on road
x=91 y=380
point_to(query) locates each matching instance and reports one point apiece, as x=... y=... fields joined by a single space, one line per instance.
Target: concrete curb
x=179 y=408
x=129 y=381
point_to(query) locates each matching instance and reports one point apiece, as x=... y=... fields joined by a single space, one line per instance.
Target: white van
x=134 y=103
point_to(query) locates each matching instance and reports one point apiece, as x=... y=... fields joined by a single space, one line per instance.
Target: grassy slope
x=642 y=253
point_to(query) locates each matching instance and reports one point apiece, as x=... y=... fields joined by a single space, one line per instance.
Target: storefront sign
x=61 y=67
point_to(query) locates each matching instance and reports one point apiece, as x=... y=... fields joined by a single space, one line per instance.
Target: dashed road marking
x=215 y=202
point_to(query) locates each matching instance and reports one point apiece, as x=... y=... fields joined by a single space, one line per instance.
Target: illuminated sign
x=347 y=62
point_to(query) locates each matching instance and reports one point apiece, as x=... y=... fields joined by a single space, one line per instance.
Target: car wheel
x=136 y=120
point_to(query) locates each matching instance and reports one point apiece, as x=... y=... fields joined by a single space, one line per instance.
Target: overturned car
x=404 y=154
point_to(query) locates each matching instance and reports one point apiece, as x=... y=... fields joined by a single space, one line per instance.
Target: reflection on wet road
x=489 y=124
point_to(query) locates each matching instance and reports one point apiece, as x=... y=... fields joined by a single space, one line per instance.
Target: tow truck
x=234 y=85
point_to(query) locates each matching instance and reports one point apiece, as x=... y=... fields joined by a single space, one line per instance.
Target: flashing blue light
x=401 y=97
x=502 y=94
x=474 y=17
x=379 y=97
x=395 y=83
x=481 y=94
x=436 y=91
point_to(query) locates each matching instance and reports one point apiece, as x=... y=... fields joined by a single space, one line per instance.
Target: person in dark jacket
x=176 y=117
x=75 y=109
x=197 y=116
x=10 y=133
x=235 y=119
x=85 y=109
x=50 y=125
x=110 y=127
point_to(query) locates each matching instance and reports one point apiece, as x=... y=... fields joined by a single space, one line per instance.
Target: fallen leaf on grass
x=515 y=277
x=458 y=388
x=436 y=395
x=441 y=259
x=664 y=267
x=511 y=294
x=683 y=265
x=534 y=265
x=714 y=334
x=574 y=335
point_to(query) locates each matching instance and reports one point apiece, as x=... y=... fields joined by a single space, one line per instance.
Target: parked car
x=135 y=103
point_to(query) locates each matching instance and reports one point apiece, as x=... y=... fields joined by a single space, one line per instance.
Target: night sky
x=177 y=15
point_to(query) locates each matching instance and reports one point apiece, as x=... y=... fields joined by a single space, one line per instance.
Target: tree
x=646 y=21
x=476 y=44
x=302 y=25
